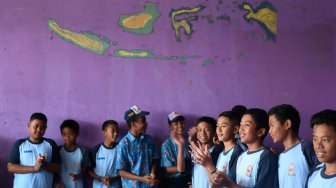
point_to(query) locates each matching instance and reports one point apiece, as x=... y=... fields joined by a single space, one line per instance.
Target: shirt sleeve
x=92 y=156
x=56 y=157
x=122 y=162
x=86 y=159
x=268 y=170
x=167 y=156
x=309 y=153
x=14 y=156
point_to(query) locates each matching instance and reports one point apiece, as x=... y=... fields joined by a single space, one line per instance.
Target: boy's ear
x=236 y=129
x=77 y=134
x=288 y=124
x=261 y=132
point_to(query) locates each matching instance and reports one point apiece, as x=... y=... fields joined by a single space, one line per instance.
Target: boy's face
x=324 y=140
x=69 y=136
x=140 y=124
x=37 y=129
x=178 y=127
x=225 y=129
x=205 y=133
x=277 y=131
x=111 y=133
x=247 y=130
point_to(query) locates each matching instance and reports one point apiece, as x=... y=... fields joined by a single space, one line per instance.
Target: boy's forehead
x=38 y=121
x=325 y=128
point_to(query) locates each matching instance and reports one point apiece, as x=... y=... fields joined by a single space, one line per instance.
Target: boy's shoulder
x=267 y=153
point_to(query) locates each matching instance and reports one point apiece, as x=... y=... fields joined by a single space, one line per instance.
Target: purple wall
x=39 y=71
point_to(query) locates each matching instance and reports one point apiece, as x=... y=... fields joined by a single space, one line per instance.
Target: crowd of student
x=227 y=152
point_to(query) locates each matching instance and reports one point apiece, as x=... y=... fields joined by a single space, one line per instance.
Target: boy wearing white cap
x=136 y=152
x=175 y=156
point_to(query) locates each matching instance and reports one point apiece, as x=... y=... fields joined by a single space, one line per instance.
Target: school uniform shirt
x=257 y=169
x=199 y=175
x=136 y=156
x=169 y=151
x=227 y=161
x=103 y=163
x=72 y=163
x=25 y=152
x=317 y=178
x=294 y=165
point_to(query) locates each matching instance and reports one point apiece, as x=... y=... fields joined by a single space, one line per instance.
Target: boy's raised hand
x=177 y=138
x=192 y=134
x=38 y=163
x=200 y=154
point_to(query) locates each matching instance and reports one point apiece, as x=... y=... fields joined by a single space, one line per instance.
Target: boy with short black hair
x=175 y=156
x=205 y=134
x=227 y=128
x=256 y=167
x=103 y=158
x=137 y=157
x=75 y=158
x=324 y=140
x=33 y=160
x=299 y=157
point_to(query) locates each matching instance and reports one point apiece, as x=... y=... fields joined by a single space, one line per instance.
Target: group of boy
x=227 y=152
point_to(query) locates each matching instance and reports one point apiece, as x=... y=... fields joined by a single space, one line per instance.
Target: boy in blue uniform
x=299 y=157
x=205 y=133
x=33 y=160
x=103 y=158
x=175 y=156
x=227 y=128
x=137 y=157
x=324 y=140
x=256 y=167
x=75 y=158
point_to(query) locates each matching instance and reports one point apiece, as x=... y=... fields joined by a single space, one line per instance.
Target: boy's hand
x=38 y=163
x=151 y=180
x=177 y=138
x=59 y=185
x=74 y=177
x=106 y=180
x=192 y=134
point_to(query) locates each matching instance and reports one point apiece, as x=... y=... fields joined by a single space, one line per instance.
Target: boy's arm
x=93 y=175
x=267 y=170
x=131 y=176
x=54 y=165
x=20 y=169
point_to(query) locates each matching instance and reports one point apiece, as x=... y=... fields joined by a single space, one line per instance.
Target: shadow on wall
x=6 y=178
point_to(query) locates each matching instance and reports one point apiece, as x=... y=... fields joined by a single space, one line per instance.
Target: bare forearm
x=131 y=176
x=20 y=169
x=180 y=159
x=93 y=175
x=154 y=166
x=51 y=167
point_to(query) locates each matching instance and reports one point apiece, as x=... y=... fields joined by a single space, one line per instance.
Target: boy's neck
x=109 y=144
x=257 y=145
x=229 y=144
x=291 y=140
x=208 y=145
x=70 y=147
x=330 y=169
x=35 y=140
x=135 y=133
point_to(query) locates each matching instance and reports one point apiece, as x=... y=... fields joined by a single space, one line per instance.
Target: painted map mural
x=180 y=22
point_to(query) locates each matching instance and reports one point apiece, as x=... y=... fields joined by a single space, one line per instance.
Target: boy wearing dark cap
x=175 y=156
x=137 y=155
